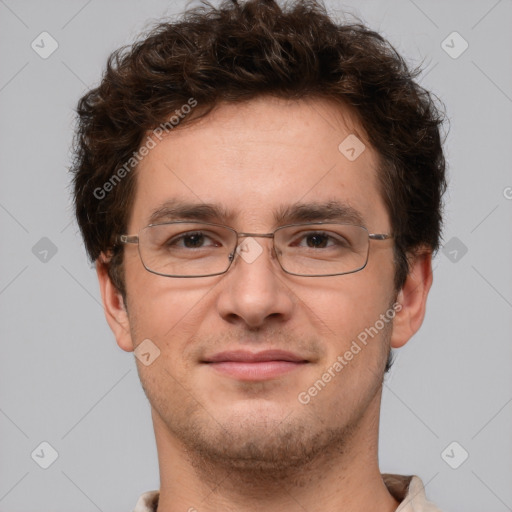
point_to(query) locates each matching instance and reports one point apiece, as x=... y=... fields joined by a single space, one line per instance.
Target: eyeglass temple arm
x=128 y=239
x=379 y=236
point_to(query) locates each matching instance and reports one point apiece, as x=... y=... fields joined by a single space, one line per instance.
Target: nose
x=253 y=291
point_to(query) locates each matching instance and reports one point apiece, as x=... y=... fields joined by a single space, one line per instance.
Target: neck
x=344 y=477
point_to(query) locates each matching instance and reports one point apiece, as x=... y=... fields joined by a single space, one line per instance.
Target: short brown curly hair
x=236 y=52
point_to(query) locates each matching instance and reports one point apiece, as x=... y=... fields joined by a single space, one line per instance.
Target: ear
x=413 y=299
x=114 y=306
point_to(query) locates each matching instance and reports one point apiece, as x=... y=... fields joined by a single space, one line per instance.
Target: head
x=246 y=107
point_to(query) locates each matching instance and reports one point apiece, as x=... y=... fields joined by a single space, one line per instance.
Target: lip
x=244 y=356
x=244 y=365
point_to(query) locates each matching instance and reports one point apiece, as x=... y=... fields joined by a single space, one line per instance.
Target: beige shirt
x=408 y=490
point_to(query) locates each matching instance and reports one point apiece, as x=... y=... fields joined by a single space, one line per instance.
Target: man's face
x=255 y=159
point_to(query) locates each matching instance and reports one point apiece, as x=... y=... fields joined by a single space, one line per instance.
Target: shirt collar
x=408 y=490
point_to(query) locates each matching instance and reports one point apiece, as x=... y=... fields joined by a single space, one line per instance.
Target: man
x=261 y=191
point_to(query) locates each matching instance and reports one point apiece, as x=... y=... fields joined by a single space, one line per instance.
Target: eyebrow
x=332 y=210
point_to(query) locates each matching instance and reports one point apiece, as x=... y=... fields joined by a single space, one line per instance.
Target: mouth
x=244 y=365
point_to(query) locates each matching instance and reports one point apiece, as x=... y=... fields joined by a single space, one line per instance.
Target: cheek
x=347 y=317
x=155 y=303
x=347 y=304
x=170 y=312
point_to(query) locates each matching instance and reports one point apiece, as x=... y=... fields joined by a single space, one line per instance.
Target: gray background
x=63 y=379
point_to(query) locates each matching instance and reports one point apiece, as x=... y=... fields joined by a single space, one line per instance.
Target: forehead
x=262 y=162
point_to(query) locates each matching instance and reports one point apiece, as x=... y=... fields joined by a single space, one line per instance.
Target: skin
x=228 y=445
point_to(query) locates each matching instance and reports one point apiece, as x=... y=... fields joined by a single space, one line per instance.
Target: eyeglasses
x=191 y=249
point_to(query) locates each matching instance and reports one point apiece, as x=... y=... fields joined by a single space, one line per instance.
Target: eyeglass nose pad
x=275 y=253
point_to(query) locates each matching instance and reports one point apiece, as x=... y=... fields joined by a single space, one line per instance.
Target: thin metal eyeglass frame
x=134 y=239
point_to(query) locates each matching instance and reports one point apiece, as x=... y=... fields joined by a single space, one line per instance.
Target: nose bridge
x=255 y=248
x=249 y=250
x=253 y=292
